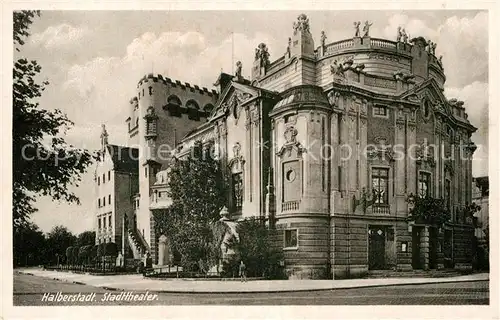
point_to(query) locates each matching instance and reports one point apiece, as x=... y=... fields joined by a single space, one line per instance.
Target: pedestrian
x=243 y=271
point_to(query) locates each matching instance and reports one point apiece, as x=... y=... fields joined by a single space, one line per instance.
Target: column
x=400 y=165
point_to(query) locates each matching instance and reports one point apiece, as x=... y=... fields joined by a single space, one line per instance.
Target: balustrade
x=291 y=205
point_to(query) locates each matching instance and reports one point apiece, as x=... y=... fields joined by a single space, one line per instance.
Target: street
x=28 y=291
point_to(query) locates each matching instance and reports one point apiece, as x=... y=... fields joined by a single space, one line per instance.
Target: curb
x=296 y=290
x=275 y=291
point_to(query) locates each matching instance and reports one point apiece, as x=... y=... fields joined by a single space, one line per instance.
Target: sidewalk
x=138 y=283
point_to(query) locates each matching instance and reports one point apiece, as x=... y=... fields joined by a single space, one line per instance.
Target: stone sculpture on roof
x=302 y=24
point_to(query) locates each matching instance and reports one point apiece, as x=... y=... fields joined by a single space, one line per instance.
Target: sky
x=94 y=59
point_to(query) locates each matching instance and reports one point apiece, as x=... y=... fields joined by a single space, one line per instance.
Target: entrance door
x=376 y=248
x=415 y=249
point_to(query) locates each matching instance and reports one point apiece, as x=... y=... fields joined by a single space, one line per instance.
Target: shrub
x=255 y=250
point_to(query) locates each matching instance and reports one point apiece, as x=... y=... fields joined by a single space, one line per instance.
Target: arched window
x=208 y=108
x=192 y=104
x=174 y=105
x=193 y=110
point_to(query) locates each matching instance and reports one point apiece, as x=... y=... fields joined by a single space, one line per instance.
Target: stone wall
x=309 y=260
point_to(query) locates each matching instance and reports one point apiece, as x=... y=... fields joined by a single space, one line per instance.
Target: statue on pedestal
x=399 y=35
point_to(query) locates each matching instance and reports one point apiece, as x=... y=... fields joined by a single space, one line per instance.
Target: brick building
x=326 y=142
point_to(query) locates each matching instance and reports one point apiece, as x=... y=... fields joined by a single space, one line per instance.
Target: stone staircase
x=443 y=273
x=137 y=242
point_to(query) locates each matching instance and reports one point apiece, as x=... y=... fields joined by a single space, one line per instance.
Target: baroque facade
x=326 y=143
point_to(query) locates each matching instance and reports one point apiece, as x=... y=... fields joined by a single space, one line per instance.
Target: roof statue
x=104 y=136
x=262 y=53
x=356 y=28
x=404 y=36
x=302 y=24
x=366 y=28
x=323 y=38
x=237 y=74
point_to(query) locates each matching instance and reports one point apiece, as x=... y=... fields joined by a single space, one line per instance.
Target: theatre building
x=326 y=142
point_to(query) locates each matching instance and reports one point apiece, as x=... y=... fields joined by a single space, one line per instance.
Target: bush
x=111 y=249
x=255 y=251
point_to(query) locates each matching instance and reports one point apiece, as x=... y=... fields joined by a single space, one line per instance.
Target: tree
x=198 y=192
x=254 y=249
x=29 y=245
x=43 y=163
x=58 y=240
x=428 y=210
x=86 y=238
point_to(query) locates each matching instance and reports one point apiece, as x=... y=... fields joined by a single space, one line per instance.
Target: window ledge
x=291 y=248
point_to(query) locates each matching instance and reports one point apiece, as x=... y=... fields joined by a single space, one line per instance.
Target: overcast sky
x=94 y=59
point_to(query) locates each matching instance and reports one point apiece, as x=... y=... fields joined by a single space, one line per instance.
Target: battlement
x=176 y=83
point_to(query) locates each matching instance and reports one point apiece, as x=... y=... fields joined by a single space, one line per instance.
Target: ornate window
x=380 y=186
x=237 y=186
x=291 y=238
x=237 y=183
x=424 y=179
x=380 y=111
x=151 y=122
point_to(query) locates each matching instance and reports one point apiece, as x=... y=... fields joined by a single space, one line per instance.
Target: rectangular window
x=237 y=183
x=103 y=178
x=146 y=172
x=380 y=111
x=424 y=180
x=99 y=222
x=109 y=175
x=109 y=199
x=99 y=202
x=380 y=185
x=98 y=181
x=103 y=201
x=291 y=238
x=109 y=221
x=104 y=222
